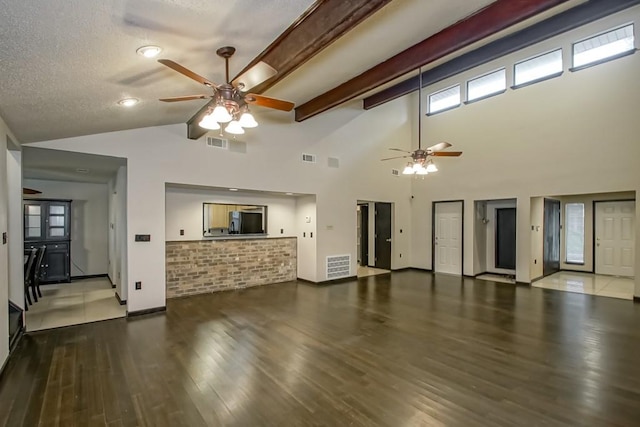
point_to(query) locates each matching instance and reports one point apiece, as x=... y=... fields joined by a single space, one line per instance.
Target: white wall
x=480 y=238
x=120 y=226
x=5 y=192
x=15 y=227
x=184 y=211
x=359 y=139
x=537 y=238
x=575 y=134
x=307 y=245
x=89 y=221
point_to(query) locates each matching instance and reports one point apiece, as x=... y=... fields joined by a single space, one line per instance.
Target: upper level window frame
x=489 y=95
x=540 y=79
x=431 y=113
x=608 y=58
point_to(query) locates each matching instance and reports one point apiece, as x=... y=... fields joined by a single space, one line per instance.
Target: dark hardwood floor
x=404 y=349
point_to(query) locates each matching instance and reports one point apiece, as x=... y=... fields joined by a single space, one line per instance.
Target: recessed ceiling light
x=233 y=189
x=128 y=102
x=289 y=194
x=149 y=51
x=82 y=170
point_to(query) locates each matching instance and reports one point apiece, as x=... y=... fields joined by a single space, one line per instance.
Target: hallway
x=81 y=301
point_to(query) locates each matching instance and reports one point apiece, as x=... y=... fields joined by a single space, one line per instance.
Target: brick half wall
x=205 y=266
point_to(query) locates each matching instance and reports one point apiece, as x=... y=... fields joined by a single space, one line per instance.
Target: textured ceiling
x=64 y=64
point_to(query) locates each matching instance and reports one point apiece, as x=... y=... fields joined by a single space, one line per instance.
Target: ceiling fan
x=420 y=155
x=421 y=164
x=231 y=100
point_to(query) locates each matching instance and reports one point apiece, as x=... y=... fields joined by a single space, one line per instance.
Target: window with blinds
x=574 y=232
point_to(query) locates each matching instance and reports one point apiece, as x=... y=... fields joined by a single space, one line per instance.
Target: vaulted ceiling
x=64 y=64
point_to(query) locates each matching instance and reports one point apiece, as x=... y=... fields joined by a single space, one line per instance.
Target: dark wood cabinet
x=47 y=222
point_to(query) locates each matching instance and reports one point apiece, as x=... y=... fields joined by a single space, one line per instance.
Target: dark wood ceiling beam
x=322 y=24
x=555 y=25
x=490 y=20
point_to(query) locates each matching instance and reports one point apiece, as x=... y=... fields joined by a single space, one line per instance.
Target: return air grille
x=338 y=266
x=218 y=142
x=308 y=158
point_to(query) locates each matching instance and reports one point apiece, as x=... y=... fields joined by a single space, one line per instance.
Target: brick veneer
x=204 y=266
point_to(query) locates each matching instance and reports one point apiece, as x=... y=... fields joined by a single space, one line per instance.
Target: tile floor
x=370 y=271
x=496 y=278
x=586 y=283
x=81 y=301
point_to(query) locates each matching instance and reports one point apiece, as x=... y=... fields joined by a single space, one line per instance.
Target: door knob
x=389 y=240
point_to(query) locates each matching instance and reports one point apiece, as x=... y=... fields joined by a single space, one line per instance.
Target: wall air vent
x=333 y=162
x=338 y=266
x=395 y=172
x=309 y=158
x=217 y=142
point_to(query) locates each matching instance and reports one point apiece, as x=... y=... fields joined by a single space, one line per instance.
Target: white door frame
x=596 y=243
x=433 y=234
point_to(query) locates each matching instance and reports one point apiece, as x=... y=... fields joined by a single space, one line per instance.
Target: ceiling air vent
x=309 y=158
x=395 y=172
x=338 y=266
x=217 y=142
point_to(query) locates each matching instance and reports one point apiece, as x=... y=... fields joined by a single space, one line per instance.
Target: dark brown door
x=506 y=238
x=551 y=230
x=364 y=235
x=383 y=236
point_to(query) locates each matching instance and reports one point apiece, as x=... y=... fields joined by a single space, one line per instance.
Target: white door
x=615 y=238
x=448 y=238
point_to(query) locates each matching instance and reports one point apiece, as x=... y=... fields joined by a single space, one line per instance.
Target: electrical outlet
x=181 y=232
x=138 y=286
x=282 y=231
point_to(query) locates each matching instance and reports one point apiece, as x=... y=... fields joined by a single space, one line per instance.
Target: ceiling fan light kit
x=421 y=164
x=231 y=102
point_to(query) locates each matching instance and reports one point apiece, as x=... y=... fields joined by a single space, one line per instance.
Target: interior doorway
x=374 y=245
x=494 y=224
x=551 y=242
x=448 y=237
x=615 y=238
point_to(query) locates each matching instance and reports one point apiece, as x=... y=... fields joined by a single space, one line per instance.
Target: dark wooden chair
x=37 y=273
x=28 y=274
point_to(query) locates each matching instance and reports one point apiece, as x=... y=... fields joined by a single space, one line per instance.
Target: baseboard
x=480 y=274
x=395 y=270
x=537 y=278
x=16 y=339
x=120 y=301
x=146 y=311
x=421 y=269
x=522 y=284
x=330 y=282
x=90 y=276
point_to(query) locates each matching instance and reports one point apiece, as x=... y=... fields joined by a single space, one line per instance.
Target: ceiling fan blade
x=254 y=76
x=397 y=149
x=265 y=101
x=184 y=98
x=439 y=146
x=30 y=191
x=399 y=157
x=447 y=154
x=186 y=72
